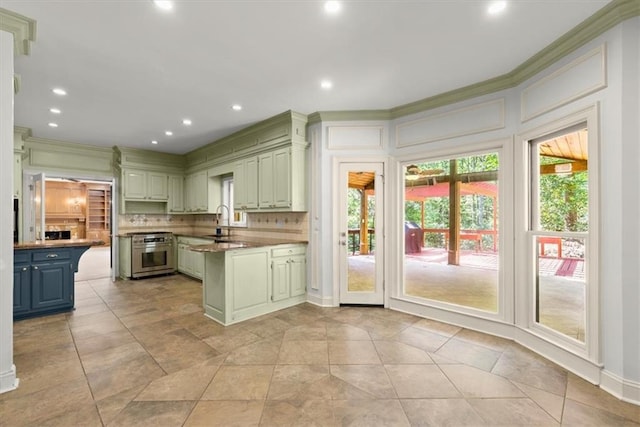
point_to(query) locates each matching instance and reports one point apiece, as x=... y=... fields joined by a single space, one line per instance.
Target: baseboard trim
x=319 y=301
x=628 y=391
x=8 y=380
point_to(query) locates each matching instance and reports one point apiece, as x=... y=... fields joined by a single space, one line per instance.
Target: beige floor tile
x=380 y=328
x=551 y=403
x=228 y=341
x=139 y=371
x=266 y=326
x=524 y=366
x=394 y=353
x=153 y=333
x=369 y=413
x=584 y=392
x=239 y=383
x=291 y=382
x=112 y=357
x=85 y=416
x=110 y=407
x=578 y=414
x=301 y=413
x=226 y=413
x=264 y=352
x=97 y=343
x=469 y=354
x=437 y=327
x=371 y=379
x=473 y=382
x=441 y=412
x=347 y=332
x=187 y=384
x=142 y=317
x=153 y=414
x=36 y=340
x=489 y=341
x=99 y=328
x=304 y=352
x=306 y=332
x=353 y=353
x=511 y=412
x=420 y=381
x=45 y=404
x=179 y=349
x=420 y=338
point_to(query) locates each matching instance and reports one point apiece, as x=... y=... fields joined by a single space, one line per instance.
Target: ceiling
x=132 y=71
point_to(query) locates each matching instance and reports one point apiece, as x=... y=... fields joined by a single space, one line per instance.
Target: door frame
x=336 y=223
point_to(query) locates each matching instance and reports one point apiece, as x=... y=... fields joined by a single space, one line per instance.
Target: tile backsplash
x=274 y=225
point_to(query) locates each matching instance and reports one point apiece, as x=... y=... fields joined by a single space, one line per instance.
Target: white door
x=361 y=233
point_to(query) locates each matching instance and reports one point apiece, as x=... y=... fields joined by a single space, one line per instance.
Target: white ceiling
x=132 y=71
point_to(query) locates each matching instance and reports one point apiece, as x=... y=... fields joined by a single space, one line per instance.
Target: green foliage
x=564 y=202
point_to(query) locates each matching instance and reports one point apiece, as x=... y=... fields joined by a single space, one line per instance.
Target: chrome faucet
x=219 y=211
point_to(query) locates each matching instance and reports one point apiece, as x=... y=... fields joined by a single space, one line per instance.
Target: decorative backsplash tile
x=276 y=225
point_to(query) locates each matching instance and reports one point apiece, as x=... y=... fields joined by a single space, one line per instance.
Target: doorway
x=361 y=248
x=62 y=207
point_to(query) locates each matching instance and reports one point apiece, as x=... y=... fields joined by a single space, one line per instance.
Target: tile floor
x=141 y=353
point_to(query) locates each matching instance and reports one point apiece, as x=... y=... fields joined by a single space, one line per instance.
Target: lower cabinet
x=243 y=283
x=43 y=280
x=189 y=262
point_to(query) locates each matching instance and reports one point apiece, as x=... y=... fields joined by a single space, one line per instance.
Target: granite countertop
x=241 y=243
x=46 y=244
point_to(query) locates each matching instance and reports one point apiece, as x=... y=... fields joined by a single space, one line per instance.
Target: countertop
x=241 y=243
x=45 y=244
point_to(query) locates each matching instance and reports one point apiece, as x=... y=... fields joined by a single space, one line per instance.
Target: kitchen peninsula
x=245 y=279
x=43 y=275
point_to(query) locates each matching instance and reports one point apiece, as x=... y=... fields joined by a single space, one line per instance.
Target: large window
x=559 y=227
x=451 y=231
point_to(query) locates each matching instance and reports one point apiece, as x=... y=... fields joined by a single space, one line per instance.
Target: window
x=451 y=231
x=232 y=217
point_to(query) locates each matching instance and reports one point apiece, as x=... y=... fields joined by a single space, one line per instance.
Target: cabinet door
x=282 y=178
x=265 y=185
x=182 y=254
x=198 y=264
x=200 y=196
x=245 y=184
x=51 y=285
x=176 y=193
x=280 y=279
x=135 y=184
x=249 y=279
x=298 y=275
x=157 y=186
x=21 y=289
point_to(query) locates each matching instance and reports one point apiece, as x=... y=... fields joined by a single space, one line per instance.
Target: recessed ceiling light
x=53 y=125
x=168 y=132
x=186 y=122
x=154 y=142
x=55 y=110
x=496 y=7
x=332 y=6
x=236 y=107
x=326 y=84
x=163 y=4
x=59 y=91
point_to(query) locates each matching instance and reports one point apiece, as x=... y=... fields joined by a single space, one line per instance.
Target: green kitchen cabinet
x=289 y=271
x=245 y=183
x=176 y=194
x=145 y=185
x=196 y=192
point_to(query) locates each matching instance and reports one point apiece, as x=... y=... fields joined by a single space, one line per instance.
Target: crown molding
x=23 y=132
x=22 y=28
x=604 y=19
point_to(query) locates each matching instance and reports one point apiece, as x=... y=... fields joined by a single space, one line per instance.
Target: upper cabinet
x=245 y=183
x=196 y=191
x=176 y=194
x=272 y=181
x=144 y=185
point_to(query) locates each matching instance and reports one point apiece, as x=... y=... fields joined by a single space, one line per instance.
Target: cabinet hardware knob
x=35 y=267
x=24 y=268
x=52 y=255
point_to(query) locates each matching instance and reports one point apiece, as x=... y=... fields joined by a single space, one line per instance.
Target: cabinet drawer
x=21 y=257
x=288 y=251
x=52 y=255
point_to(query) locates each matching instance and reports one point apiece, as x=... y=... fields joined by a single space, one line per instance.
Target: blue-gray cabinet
x=43 y=280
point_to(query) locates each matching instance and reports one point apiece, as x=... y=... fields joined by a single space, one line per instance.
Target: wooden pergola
x=365 y=183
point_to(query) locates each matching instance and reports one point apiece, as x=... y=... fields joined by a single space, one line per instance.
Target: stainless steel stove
x=152 y=253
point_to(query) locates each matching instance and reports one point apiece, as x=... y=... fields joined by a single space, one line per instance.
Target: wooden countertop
x=46 y=244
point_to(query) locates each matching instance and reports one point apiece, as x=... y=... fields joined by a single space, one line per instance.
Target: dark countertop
x=47 y=244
